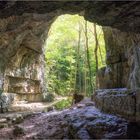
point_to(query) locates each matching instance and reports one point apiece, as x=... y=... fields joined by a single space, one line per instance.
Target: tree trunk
x=88 y=58
x=77 y=74
x=96 y=52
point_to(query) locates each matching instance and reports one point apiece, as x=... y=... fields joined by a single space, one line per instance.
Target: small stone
x=80 y=105
x=90 y=104
x=51 y=108
x=17 y=119
x=8 y=118
x=83 y=134
x=18 y=131
x=90 y=117
x=3 y=125
x=3 y=120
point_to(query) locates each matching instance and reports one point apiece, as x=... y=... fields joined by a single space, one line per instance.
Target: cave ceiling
x=123 y=15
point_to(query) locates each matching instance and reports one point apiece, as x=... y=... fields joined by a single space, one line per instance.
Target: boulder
x=117 y=101
x=18 y=131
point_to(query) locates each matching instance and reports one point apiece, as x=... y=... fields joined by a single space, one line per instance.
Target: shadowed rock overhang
x=123 y=15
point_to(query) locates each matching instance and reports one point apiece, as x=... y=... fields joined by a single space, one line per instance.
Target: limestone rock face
x=23 y=29
x=122 y=58
x=22 y=59
x=5 y=102
x=121 y=15
x=118 y=101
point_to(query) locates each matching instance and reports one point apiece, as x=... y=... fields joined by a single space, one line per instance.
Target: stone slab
x=117 y=101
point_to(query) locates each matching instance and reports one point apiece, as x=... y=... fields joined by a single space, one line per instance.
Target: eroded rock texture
x=80 y=122
x=123 y=102
x=22 y=59
x=117 y=101
x=122 y=60
x=121 y=15
x=23 y=29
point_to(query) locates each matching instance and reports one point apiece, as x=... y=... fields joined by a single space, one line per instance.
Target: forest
x=74 y=51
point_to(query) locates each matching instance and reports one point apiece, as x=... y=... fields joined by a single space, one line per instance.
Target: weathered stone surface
x=18 y=131
x=3 y=120
x=117 y=101
x=5 y=102
x=138 y=105
x=84 y=123
x=134 y=80
x=23 y=62
x=23 y=31
x=97 y=127
x=51 y=108
x=3 y=125
x=18 y=119
x=115 y=14
x=122 y=57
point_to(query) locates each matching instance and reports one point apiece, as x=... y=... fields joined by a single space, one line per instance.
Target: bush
x=65 y=103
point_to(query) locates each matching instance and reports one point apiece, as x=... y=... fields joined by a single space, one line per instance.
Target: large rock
x=122 y=58
x=89 y=123
x=117 y=101
x=5 y=102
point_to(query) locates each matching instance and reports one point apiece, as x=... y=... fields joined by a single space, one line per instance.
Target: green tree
x=70 y=63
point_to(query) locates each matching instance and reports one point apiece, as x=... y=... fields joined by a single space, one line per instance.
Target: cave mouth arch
x=23 y=35
x=66 y=33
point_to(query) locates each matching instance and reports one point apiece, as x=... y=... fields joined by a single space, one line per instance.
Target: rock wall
x=123 y=102
x=22 y=59
x=122 y=58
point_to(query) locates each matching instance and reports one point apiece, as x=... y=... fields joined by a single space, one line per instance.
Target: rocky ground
x=82 y=121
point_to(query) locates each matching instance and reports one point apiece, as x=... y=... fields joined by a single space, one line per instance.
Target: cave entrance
x=74 y=51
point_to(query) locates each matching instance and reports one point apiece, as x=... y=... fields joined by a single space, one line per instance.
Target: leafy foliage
x=65 y=103
x=61 y=55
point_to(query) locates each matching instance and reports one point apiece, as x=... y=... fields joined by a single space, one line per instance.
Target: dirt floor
x=24 y=106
